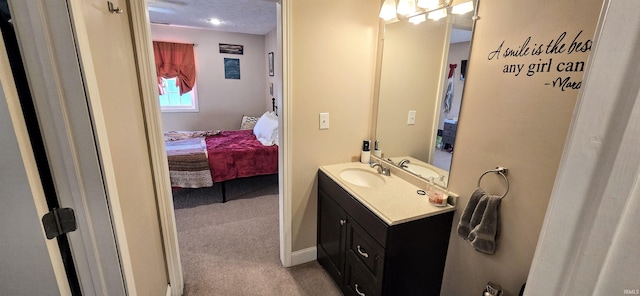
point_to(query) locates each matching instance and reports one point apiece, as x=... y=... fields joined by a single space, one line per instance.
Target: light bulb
x=437 y=14
x=462 y=8
x=417 y=19
x=388 y=10
x=428 y=4
x=406 y=7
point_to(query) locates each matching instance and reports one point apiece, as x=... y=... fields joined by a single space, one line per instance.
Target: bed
x=200 y=159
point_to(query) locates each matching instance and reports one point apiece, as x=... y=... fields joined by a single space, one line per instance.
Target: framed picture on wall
x=231 y=48
x=270 y=56
x=231 y=68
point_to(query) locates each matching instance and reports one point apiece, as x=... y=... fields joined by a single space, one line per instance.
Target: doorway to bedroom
x=222 y=150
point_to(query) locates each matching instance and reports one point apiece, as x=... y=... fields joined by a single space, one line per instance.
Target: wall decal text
x=553 y=56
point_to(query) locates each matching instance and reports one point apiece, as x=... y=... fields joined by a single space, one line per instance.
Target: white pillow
x=266 y=129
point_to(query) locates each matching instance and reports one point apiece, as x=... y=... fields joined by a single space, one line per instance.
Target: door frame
x=152 y=116
x=285 y=155
x=143 y=53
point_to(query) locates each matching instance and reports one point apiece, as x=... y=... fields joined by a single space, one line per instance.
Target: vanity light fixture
x=437 y=14
x=415 y=13
x=462 y=8
x=215 y=21
x=416 y=19
x=428 y=4
x=388 y=10
x=406 y=7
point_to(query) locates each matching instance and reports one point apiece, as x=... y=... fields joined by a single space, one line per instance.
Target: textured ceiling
x=239 y=16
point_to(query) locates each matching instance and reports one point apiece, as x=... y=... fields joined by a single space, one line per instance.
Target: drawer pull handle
x=358 y=291
x=363 y=254
x=342 y=221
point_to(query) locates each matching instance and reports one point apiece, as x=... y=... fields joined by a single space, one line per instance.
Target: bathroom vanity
x=380 y=238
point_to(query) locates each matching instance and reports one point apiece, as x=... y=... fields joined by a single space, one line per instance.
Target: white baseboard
x=303 y=256
x=169 y=290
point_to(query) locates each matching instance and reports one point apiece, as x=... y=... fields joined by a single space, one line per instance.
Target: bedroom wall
x=333 y=51
x=271 y=45
x=221 y=102
x=516 y=121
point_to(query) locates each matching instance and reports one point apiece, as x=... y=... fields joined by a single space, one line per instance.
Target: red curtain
x=175 y=60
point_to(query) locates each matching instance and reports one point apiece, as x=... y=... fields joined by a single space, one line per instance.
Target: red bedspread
x=237 y=154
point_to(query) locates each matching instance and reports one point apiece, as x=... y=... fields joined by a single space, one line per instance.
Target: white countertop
x=395 y=202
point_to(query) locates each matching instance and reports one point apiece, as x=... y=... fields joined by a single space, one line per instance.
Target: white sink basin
x=362 y=177
x=422 y=171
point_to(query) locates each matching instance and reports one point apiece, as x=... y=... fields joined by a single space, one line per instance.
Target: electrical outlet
x=412 y=117
x=324 y=121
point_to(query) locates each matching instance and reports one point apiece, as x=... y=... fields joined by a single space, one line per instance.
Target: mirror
x=412 y=121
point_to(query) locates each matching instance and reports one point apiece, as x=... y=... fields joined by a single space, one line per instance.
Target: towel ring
x=500 y=171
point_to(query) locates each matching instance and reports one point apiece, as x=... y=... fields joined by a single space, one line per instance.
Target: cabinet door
x=331 y=236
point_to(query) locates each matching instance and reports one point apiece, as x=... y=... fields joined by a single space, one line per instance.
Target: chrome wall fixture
x=502 y=171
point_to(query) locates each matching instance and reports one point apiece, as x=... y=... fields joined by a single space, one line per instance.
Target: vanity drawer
x=365 y=249
x=358 y=280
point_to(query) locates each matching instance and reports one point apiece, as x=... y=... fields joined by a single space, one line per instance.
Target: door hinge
x=58 y=222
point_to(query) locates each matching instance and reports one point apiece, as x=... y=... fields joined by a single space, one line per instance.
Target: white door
x=47 y=45
x=27 y=258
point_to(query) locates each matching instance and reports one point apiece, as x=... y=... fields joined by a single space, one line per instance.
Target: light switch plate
x=324 y=121
x=412 y=117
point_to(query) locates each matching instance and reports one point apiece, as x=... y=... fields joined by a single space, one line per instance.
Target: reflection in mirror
x=419 y=104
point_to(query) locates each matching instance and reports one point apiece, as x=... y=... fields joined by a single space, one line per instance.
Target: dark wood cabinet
x=366 y=256
x=331 y=236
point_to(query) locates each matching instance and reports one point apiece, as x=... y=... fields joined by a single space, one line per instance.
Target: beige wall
x=410 y=79
x=333 y=54
x=110 y=39
x=222 y=102
x=517 y=122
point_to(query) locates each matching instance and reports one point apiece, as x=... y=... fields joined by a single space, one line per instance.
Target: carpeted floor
x=232 y=248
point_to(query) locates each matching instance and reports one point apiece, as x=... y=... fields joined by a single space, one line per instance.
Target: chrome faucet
x=381 y=169
x=402 y=163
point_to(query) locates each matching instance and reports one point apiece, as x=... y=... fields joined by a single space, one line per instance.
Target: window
x=172 y=101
